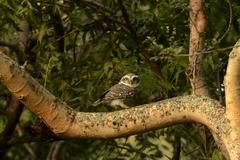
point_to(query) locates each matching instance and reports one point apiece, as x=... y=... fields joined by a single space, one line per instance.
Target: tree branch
x=128 y=23
x=29 y=147
x=13 y=111
x=14 y=108
x=197 y=28
x=195 y=71
x=11 y=45
x=176 y=147
x=229 y=22
x=108 y=14
x=232 y=94
x=67 y=123
x=53 y=153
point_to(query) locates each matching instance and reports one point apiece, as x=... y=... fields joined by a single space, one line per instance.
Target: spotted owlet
x=117 y=94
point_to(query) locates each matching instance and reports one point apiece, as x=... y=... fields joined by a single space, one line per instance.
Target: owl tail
x=96 y=103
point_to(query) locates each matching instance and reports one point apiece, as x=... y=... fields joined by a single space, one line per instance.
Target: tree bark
x=197 y=28
x=14 y=108
x=195 y=69
x=232 y=94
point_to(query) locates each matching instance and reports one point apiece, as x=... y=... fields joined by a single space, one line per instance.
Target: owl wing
x=118 y=91
x=100 y=99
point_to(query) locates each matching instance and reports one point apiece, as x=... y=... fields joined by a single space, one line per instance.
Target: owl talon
x=125 y=107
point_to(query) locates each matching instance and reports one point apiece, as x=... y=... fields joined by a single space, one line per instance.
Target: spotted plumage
x=117 y=94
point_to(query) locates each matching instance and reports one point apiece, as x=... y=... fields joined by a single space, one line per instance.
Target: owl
x=117 y=94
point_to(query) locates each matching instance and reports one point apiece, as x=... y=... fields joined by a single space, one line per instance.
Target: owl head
x=130 y=79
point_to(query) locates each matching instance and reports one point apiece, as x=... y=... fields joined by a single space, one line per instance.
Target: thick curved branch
x=67 y=123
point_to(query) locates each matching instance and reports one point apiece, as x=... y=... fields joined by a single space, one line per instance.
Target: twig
x=29 y=147
x=65 y=35
x=74 y=46
x=96 y=6
x=30 y=140
x=218 y=50
x=110 y=16
x=229 y=22
x=208 y=51
x=10 y=45
x=128 y=23
x=176 y=148
x=131 y=150
x=54 y=150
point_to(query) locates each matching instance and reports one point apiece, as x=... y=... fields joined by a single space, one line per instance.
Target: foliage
x=83 y=47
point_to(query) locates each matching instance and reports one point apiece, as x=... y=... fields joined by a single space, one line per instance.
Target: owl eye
x=125 y=79
x=136 y=80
